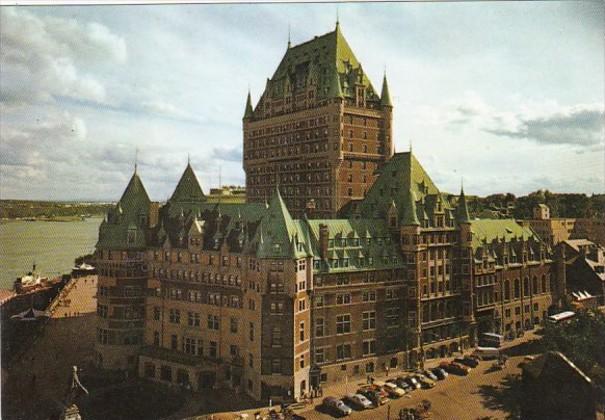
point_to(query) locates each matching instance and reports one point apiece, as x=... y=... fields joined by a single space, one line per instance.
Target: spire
x=337 y=18
x=462 y=215
x=289 y=41
x=248 y=113
x=410 y=216
x=385 y=97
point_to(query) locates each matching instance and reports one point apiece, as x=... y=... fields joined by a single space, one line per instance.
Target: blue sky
x=507 y=95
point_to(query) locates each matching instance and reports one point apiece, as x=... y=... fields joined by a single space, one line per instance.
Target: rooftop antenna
x=188 y=159
x=289 y=43
x=337 y=17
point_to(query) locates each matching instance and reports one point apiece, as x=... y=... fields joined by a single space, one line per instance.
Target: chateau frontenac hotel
x=345 y=260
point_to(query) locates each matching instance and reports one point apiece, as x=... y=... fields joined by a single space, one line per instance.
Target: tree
x=582 y=340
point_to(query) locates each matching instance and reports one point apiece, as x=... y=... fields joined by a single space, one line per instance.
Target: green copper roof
x=486 y=230
x=126 y=223
x=410 y=217
x=315 y=62
x=398 y=178
x=334 y=90
x=188 y=189
x=281 y=235
x=355 y=245
x=462 y=215
x=248 y=113
x=385 y=97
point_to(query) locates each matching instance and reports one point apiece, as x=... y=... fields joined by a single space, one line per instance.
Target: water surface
x=53 y=246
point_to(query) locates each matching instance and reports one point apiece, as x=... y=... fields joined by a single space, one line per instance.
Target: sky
x=508 y=96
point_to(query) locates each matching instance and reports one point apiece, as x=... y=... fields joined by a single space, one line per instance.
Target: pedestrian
x=387 y=369
x=368 y=379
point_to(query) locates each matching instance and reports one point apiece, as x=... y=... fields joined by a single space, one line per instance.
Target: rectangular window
x=319 y=327
x=343 y=299
x=193 y=319
x=276 y=337
x=369 y=320
x=175 y=316
x=213 y=322
x=343 y=351
x=302 y=305
x=301 y=331
x=251 y=331
x=213 y=349
x=174 y=342
x=233 y=325
x=343 y=324
x=369 y=347
x=320 y=355
x=369 y=296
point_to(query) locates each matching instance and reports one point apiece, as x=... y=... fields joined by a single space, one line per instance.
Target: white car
x=359 y=401
x=393 y=390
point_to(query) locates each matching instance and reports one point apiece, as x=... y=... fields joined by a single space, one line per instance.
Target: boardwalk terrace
x=246 y=296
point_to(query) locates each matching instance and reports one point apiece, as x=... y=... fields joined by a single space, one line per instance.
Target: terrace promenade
x=36 y=383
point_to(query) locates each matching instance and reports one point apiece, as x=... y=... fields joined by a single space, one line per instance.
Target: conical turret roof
x=248 y=113
x=462 y=215
x=385 y=97
x=188 y=189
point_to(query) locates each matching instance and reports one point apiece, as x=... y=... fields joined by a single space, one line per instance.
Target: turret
x=248 y=113
x=462 y=215
x=385 y=97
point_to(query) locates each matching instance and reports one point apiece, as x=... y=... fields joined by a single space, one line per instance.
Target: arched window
x=534 y=285
x=517 y=288
x=507 y=290
x=544 y=288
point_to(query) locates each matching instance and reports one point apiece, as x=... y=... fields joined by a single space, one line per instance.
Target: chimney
x=323 y=240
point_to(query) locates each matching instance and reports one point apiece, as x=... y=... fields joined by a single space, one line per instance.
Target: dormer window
x=132 y=236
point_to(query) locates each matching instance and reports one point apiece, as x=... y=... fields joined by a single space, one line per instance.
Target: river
x=53 y=246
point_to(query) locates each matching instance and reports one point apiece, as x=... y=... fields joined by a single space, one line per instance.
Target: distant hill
x=24 y=209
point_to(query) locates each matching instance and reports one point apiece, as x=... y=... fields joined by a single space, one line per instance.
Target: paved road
x=456 y=397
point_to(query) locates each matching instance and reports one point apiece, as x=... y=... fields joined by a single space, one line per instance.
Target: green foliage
x=582 y=340
x=561 y=205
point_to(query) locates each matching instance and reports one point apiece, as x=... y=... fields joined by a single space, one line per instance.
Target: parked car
x=440 y=373
x=424 y=381
x=456 y=368
x=467 y=360
x=429 y=374
x=336 y=407
x=376 y=397
x=358 y=401
x=393 y=390
x=412 y=382
x=401 y=383
x=486 y=353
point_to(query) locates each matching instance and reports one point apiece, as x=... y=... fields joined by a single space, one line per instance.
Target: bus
x=491 y=340
x=560 y=317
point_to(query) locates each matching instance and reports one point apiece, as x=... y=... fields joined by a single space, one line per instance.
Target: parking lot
x=483 y=393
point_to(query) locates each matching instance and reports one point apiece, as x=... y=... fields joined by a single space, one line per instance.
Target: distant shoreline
x=50 y=219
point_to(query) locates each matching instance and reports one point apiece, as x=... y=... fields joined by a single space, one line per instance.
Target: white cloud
x=47 y=57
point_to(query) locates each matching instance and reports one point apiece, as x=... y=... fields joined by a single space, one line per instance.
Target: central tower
x=319 y=130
